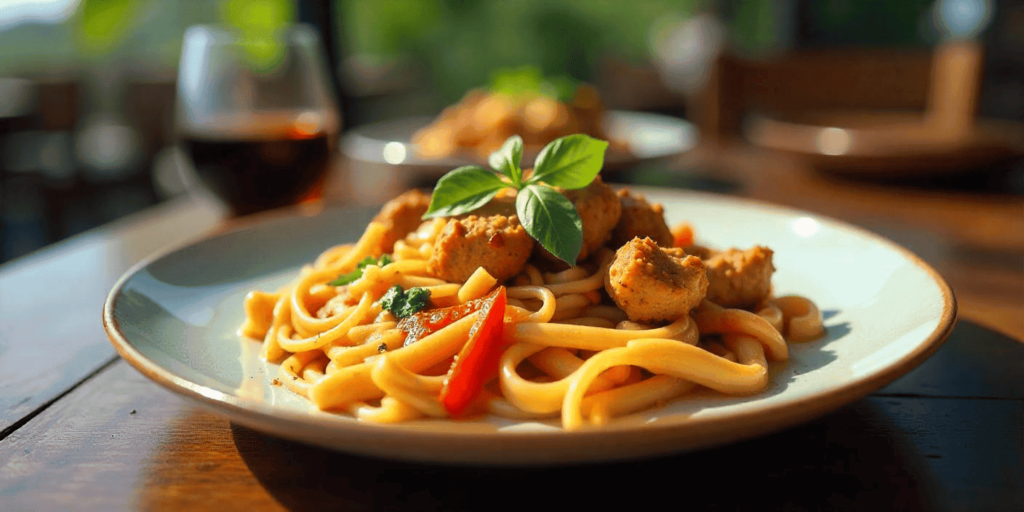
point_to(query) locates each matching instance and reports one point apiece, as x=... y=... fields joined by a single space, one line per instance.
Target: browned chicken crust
x=640 y=219
x=652 y=284
x=497 y=243
x=401 y=216
x=740 y=279
x=700 y=251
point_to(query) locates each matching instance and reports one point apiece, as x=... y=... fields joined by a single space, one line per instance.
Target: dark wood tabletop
x=82 y=430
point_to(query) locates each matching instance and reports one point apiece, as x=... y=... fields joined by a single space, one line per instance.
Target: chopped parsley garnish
x=405 y=303
x=344 y=279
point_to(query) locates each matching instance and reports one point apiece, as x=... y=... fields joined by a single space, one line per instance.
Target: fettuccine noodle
x=571 y=355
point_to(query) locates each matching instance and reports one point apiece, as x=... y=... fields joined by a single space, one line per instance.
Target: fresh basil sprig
x=570 y=162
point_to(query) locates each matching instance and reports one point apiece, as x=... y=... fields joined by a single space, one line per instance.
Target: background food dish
x=646 y=136
x=484 y=118
x=885 y=311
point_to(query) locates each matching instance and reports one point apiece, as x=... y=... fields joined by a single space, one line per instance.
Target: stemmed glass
x=256 y=116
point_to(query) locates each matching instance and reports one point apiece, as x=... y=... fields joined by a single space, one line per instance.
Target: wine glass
x=256 y=116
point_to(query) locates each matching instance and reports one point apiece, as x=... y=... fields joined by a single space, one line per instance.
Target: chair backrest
x=821 y=80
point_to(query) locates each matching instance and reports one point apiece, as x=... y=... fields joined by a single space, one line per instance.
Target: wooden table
x=81 y=430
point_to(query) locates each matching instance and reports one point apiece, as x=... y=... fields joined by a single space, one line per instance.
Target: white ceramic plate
x=174 y=317
x=648 y=137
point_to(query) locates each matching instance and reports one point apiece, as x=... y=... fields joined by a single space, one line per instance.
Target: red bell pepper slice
x=425 y=323
x=477 y=362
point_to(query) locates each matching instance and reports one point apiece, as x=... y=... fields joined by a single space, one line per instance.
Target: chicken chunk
x=599 y=209
x=401 y=216
x=653 y=284
x=700 y=251
x=641 y=219
x=497 y=243
x=503 y=203
x=739 y=279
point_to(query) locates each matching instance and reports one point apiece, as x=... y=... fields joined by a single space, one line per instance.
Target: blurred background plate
x=891 y=143
x=647 y=136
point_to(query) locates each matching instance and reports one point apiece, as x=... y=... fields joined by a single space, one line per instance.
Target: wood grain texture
x=115 y=442
x=50 y=302
x=91 y=452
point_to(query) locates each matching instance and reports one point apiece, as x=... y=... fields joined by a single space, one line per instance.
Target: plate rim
x=935 y=157
x=348 y=138
x=263 y=417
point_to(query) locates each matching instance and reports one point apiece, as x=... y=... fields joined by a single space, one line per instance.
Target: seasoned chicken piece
x=599 y=209
x=503 y=203
x=497 y=243
x=700 y=251
x=641 y=219
x=739 y=279
x=653 y=284
x=402 y=215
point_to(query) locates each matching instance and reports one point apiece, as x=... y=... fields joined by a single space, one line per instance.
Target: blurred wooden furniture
x=59 y=104
x=861 y=112
x=149 y=107
x=80 y=429
x=809 y=81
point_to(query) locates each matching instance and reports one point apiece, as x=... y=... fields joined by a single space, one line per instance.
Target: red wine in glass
x=259 y=128
x=268 y=162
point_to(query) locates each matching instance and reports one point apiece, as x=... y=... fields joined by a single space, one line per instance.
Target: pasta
x=568 y=350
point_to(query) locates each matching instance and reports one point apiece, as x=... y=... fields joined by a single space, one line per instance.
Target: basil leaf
x=552 y=220
x=570 y=162
x=463 y=190
x=508 y=159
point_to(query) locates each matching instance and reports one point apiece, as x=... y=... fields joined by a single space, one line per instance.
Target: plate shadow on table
x=810 y=467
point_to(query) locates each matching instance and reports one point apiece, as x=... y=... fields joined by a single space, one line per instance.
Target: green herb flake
x=351 y=277
x=405 y=303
